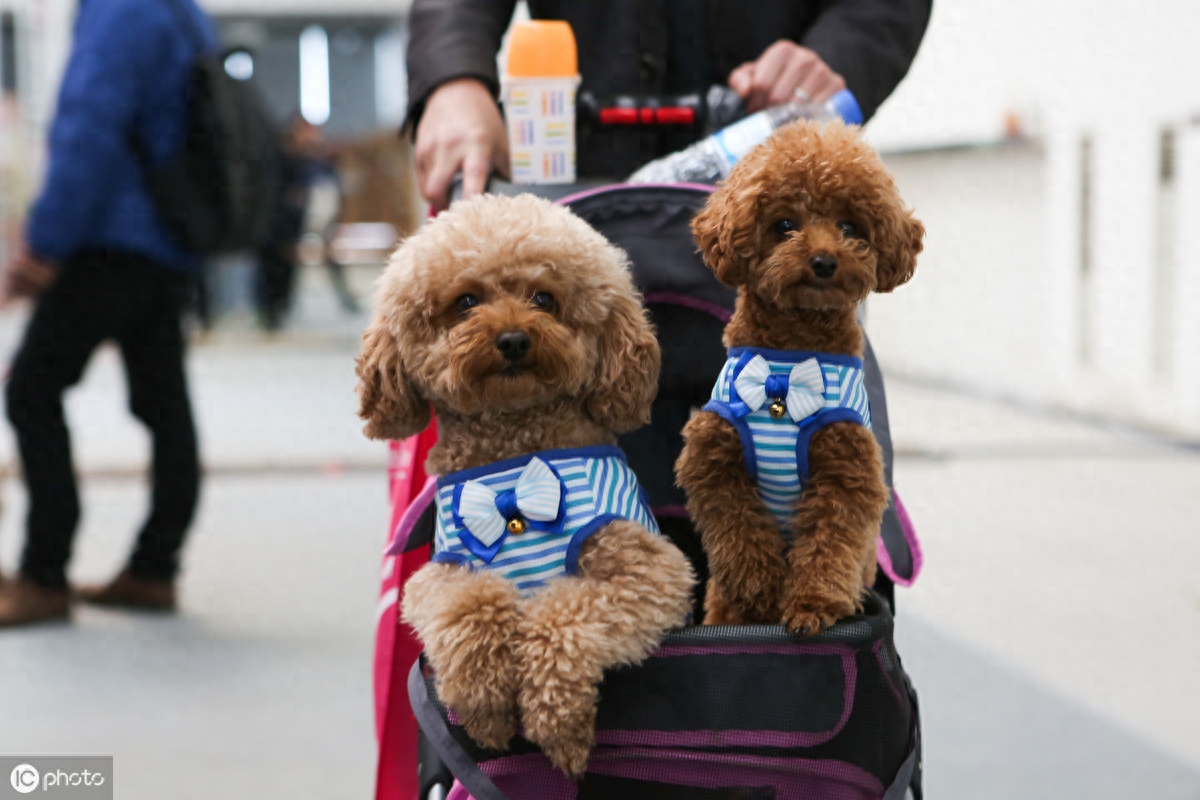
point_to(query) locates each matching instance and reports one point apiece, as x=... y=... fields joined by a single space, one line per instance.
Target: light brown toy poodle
x=783 y=476
x=520 y=326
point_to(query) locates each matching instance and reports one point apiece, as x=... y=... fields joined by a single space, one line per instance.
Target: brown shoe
x=23 y=602
x=129 y=591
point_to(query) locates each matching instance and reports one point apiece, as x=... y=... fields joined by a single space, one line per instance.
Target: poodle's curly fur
x=591 y=372
x=811 y=190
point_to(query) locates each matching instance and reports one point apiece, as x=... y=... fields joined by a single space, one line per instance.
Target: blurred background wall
x=1053 y=150
x=1051 y=146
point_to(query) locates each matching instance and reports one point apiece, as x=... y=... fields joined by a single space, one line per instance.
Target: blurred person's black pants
x=105 y=295
x=274 y=284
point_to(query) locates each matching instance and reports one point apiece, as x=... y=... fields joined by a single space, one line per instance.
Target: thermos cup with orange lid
x=538 y=89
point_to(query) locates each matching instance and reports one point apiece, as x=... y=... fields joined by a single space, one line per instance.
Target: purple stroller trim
x=411 y=514
x=914 y=547
x=845 y=652
x=736 y=738
x=670 y=512
x=574 y=198
x=702 y=739
x=675 y=299
x=791 y=778
x=510 y=773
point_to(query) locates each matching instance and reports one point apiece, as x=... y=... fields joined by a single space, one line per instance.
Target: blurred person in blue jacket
x=100 y=265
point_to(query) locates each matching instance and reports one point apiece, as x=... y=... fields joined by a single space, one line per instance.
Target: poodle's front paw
x=490 y=720
x=558 y=694
x=481 y=689
x=568 y=755
x=809 y=614
x=468 y=622
x=753 y=596
x=561 y=721
x=718 y=610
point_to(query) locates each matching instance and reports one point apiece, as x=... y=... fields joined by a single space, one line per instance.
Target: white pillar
x=1063 y=305
x=1123 y=252
x=47 y=45
x=1185 y=363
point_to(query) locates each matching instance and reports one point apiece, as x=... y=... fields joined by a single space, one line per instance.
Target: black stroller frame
x=710 y=689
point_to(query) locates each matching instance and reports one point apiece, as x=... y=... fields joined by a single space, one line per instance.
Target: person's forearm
x=871 y=43
x=452 y=39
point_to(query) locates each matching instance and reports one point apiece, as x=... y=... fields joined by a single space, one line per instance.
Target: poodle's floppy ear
x=387 y=398
x=898 y=242
x=726 y=230
x=628 y=368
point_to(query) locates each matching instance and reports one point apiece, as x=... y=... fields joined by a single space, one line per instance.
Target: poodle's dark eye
x=785 y=226
x=849 y=229
x=465 y=303
x=544 y=301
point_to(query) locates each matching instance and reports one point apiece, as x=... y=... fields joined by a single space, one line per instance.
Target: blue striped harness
x=528 y=517
x=777 y=399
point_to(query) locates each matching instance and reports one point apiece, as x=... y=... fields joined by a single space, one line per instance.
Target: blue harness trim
x=775 y=450
x=597 y=487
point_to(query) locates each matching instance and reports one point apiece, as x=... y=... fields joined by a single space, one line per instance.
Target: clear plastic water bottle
x=710 y=159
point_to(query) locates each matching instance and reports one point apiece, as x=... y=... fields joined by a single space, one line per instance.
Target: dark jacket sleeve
x=115 y=48
x=452 y=39
x=870 y=43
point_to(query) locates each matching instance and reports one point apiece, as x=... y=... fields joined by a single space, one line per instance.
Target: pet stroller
x=719 y=712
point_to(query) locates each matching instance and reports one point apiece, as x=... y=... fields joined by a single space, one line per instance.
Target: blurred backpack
x=217 y=193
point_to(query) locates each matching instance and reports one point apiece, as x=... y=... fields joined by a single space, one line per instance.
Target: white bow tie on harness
x=488 y=514
x=802 y=391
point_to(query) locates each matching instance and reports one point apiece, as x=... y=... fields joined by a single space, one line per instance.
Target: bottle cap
x=542 y=49
x=846 y=106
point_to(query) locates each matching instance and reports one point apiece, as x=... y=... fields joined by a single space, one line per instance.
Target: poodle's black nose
x=513 y=345
x=823 y=265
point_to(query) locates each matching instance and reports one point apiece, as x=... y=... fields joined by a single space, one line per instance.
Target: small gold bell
x=516 y=525
x=777 y=409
